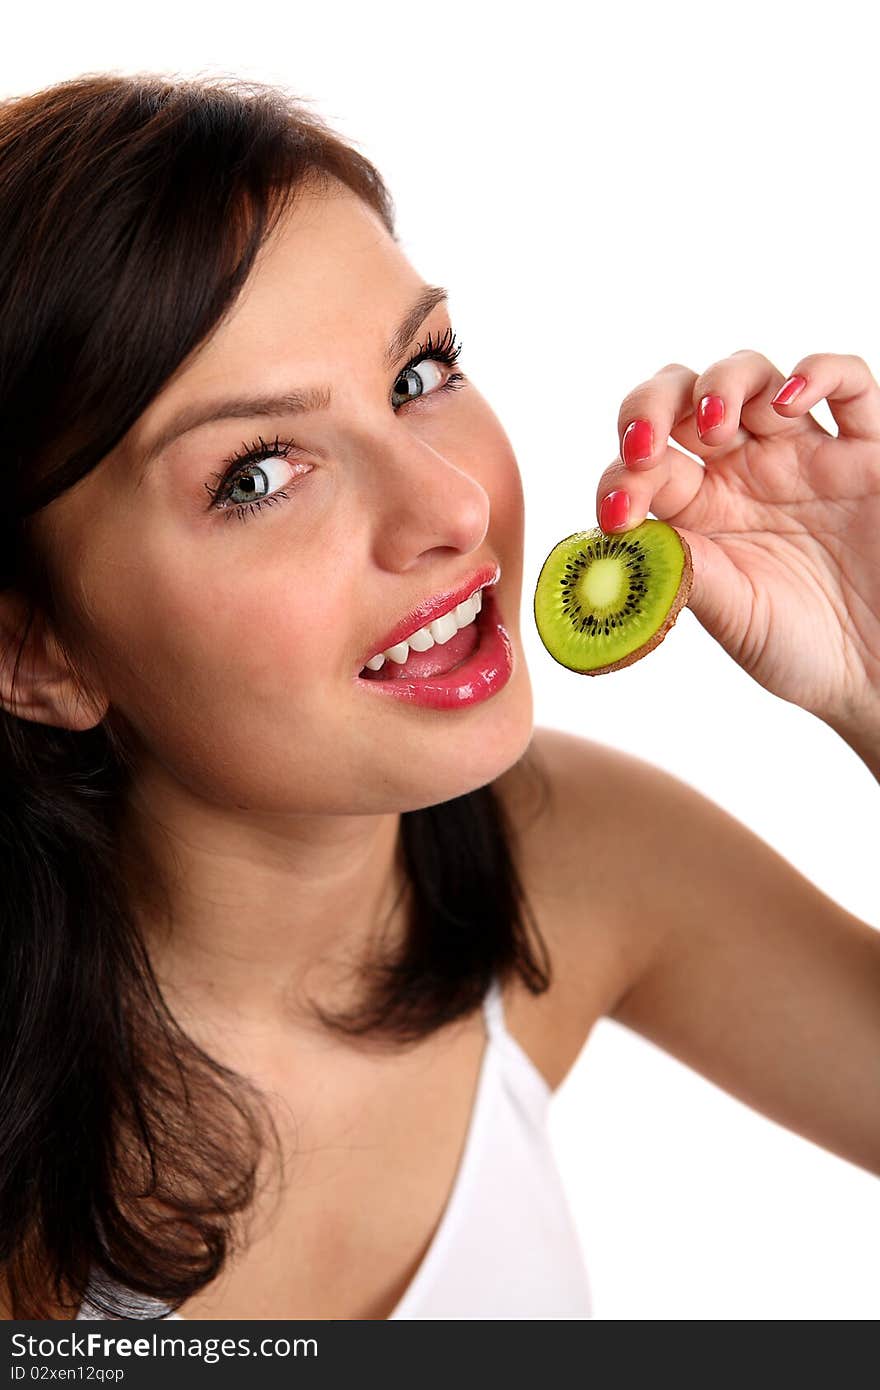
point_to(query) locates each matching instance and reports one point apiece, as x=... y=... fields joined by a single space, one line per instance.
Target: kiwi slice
x=603 y=601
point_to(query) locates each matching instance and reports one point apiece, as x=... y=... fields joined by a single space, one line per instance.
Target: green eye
x=410 y=376
x=444 y=351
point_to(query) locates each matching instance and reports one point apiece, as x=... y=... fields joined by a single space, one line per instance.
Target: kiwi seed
x=604 y=601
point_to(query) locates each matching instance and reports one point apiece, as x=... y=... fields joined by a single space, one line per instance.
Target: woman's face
x=231 y=639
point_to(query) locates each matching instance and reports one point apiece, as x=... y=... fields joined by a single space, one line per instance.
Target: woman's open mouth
x=473 y=665
x=440 y=659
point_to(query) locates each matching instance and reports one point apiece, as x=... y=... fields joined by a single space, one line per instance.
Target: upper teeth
x=439 y=631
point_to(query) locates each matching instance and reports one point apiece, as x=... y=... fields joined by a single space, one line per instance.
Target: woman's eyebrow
x=292 y=402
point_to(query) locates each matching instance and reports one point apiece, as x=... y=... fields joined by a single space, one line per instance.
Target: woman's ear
x=45 y=689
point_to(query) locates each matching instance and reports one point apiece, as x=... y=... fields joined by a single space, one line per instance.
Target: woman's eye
x=256 y=482
x=247 y=484
x=413 y=382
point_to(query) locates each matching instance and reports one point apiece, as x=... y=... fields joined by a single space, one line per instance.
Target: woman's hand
x=782 y=518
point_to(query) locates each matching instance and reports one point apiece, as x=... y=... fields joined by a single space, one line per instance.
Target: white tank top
x=506 y=1245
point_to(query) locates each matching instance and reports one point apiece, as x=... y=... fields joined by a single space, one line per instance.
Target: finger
x=718 y=410
x=665 y=490
x=845 y=381
x=662 y=408
x=737 y=393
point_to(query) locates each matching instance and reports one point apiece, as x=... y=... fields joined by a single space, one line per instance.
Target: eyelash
x=441 y=351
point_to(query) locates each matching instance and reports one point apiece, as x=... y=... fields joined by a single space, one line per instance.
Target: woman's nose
x=422 y=500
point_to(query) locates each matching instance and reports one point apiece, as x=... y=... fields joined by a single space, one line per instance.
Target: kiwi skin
x=681 y=597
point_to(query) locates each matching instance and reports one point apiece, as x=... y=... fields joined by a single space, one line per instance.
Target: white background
x=605 y=191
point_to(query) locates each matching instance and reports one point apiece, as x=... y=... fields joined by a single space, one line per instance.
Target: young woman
x=297 y=941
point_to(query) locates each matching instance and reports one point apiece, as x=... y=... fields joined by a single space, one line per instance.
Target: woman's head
x=223 y=636
x=165 y=245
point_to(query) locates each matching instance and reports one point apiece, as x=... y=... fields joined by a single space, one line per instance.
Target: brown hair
x=131 y=212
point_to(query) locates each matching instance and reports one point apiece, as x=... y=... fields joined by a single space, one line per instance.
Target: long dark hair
x=131 y=211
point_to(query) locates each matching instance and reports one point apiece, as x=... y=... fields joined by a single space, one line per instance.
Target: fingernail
x=638 y=441
x=613 y=510
x=788 y=390
x=710 y=412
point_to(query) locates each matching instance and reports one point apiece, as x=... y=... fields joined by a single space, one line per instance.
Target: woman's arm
x=734 y=962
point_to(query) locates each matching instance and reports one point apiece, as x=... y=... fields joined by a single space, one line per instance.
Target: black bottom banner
x=158 y=1353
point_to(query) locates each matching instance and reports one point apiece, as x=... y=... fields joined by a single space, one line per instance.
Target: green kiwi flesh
x=603 y=601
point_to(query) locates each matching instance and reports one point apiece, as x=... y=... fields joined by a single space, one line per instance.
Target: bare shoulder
x=580 y=811
x=675 y=919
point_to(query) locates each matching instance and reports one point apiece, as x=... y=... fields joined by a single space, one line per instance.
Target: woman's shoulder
x=577 y=808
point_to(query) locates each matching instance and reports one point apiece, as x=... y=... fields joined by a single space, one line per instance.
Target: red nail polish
x=788 y=390
x=638 y=441
x=613 y=510
x=710 y=413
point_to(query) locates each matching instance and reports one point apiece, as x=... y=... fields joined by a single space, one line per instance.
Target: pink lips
x=433 y=608
x=476 y=678
x=438 y=659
